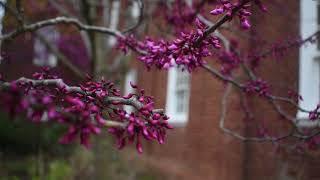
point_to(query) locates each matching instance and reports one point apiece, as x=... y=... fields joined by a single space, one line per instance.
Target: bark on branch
x=133 y=101
x=58 y=20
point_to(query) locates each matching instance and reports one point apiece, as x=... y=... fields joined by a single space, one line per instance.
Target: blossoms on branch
x=294 y=95
x=86 y=109
x=127 y=42
x=229 y=62
x=314 y=114
x=144 y=124
x=186 y=50
x=177 y=13
x=137 y=130
x=239 y=8
x=257 y=86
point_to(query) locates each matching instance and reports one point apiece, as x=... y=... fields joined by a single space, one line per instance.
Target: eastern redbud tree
x=96 y=104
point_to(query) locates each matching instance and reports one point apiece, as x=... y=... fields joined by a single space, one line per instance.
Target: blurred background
x=197 y=149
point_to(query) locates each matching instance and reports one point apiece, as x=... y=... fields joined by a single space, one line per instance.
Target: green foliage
x=59 y=170
x=10 y=178
x=18 y=136
x=30 y=167
x=17 y=168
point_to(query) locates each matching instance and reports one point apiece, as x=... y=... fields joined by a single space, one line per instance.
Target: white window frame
x=131 y=76
x=176 y=118
x=309 y=60
x=38 y=46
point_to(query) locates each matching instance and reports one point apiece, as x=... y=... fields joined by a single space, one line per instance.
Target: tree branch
x=133 y=101
x=140 y=18
x=58 y=20
x=220 y=76
x=239 y=136
x=221 y=21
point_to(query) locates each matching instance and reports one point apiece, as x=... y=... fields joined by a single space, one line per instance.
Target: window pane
x=182 y=91
x=182 y=101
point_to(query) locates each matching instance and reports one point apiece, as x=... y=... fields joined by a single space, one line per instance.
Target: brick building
x=197 y=148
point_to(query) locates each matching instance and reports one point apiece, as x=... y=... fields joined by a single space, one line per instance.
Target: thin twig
x=58 y=20
x=237 y=135
x=140 y=18
x=220 y=76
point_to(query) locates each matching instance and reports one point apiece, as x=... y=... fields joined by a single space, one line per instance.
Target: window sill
x=304 y=122
x=178 y=121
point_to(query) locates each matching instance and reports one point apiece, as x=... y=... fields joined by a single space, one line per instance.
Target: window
x=309 y=65
x=42 y=56
x=178 y=92
x=131 y=76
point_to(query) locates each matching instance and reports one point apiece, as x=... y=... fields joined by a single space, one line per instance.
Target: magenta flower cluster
x=257 y=86
x=179 y=14
x=85 y=109
x=228 y=7
x=126 y=43
x=189 y=50
x=144 y=124
x=314 y=114
x=229 y=62
x=294 y=95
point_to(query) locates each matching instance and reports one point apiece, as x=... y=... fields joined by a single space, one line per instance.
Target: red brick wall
x=200 y=150
x=262 y=161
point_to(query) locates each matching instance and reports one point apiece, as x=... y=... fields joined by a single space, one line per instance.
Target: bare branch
x=140 y=18
x=220 y=76
x=239 y=136
x=55 y=21
x=289 y=45
x=63 y=59
x=64 y=12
